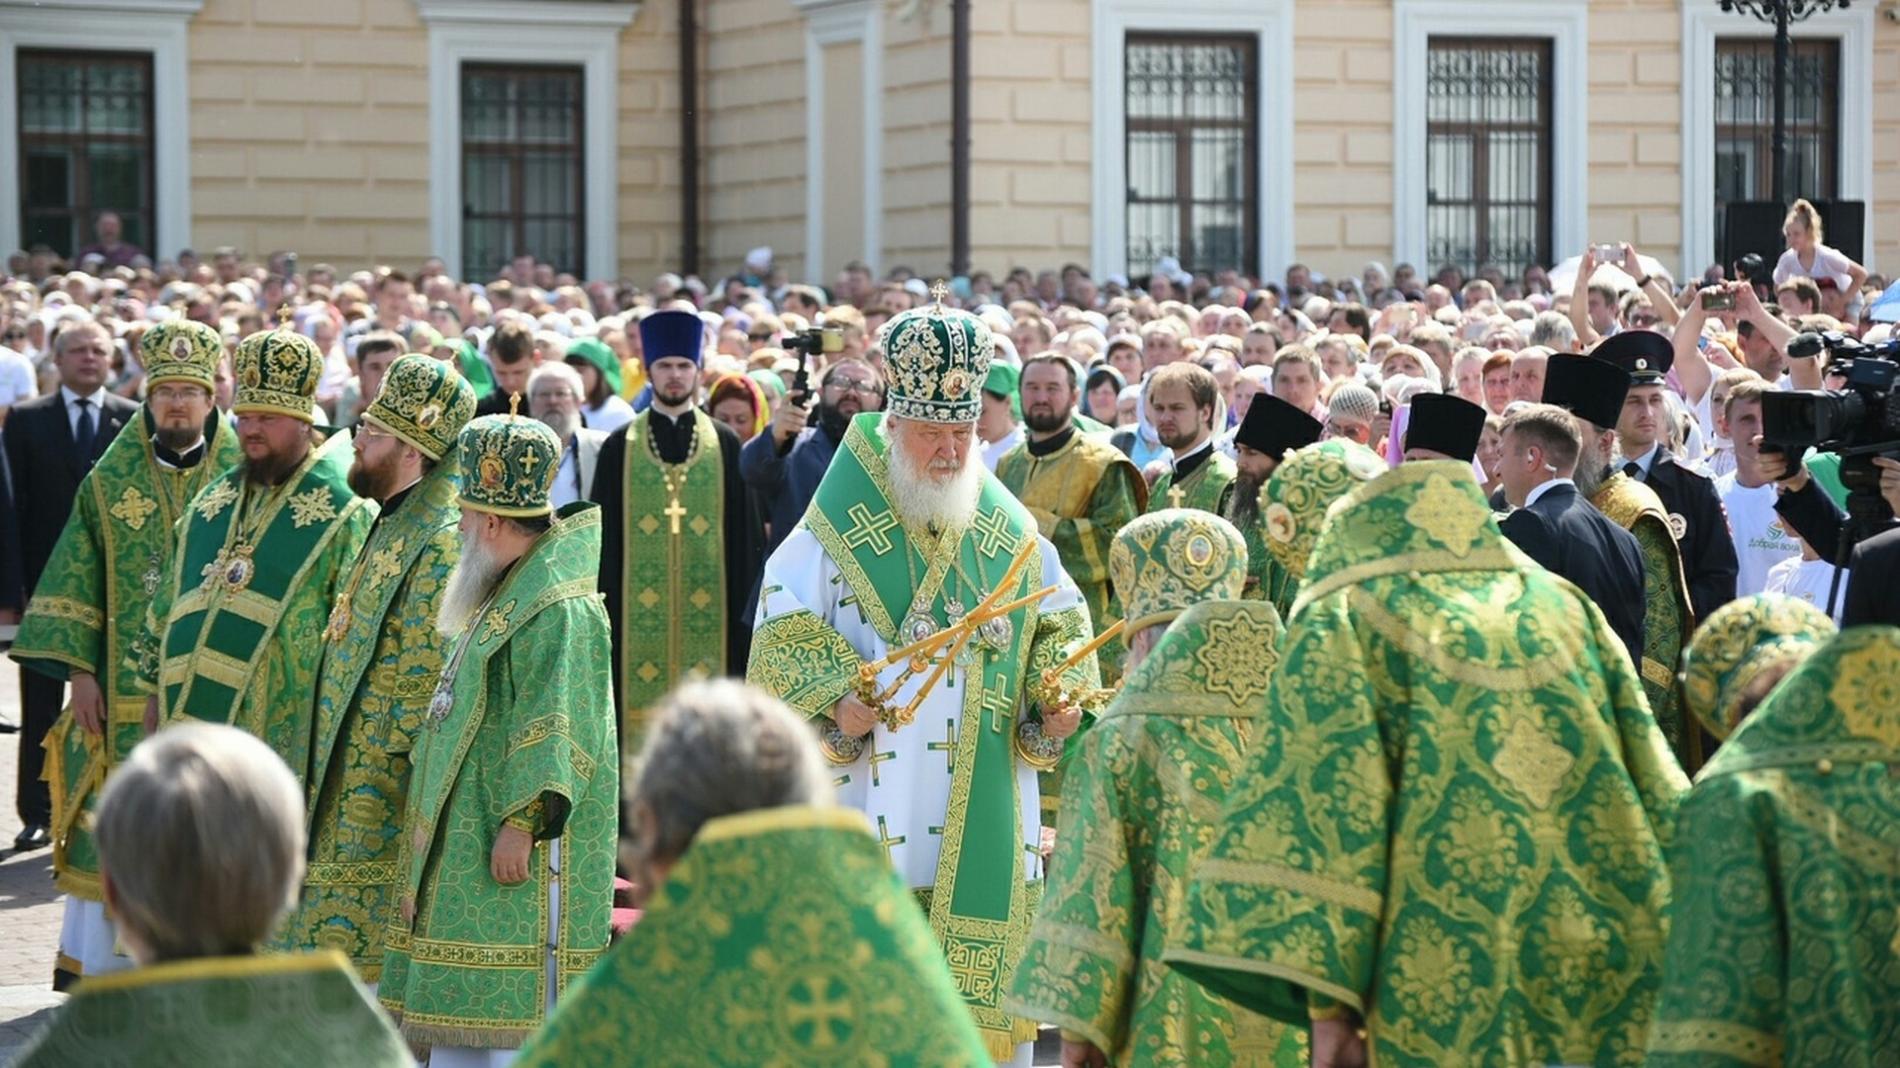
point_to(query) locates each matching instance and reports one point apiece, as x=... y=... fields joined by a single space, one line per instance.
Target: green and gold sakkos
x=1737 y=645
x=278 y=1011
x=471 y=969
x=382 y=657
x=782 y=937
x=1784 y=934
x=1456 y=807
x=236 y=633
x=673 y=570
x=89 y=609
x=1205 y=487
x=1667 y=617
x=1141 y=804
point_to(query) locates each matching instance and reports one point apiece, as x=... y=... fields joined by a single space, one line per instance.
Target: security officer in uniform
x=1695 y=512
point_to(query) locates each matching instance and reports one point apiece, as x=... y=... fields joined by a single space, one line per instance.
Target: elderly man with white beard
x=908 y=534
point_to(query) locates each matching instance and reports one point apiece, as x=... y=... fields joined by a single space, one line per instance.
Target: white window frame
x=563 y=32
x=1702 y=22
x=153 y=27
x=1270 y=22
x=1566 y=25
x=830 y=22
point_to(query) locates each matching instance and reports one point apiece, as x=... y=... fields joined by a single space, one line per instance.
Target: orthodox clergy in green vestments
x=1182 y=401
x=90 y=605
x=235 y=629
x=1593 y=391
x=1138 y=807
x=505 y=867
x=381 y=658
x=1742 y=651
x=775 y=931
x=1271 y=429
x=1784 y=926
x=908 y=533
x=1452 y=825
x=1294 y=501
x=679 y=545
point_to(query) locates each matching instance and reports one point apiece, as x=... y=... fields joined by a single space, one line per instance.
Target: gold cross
x=284 y=312
x=993 y=532
x=938 y=292
x=868 y=529
x=948 y=746
x=1175 y=496
x=998 y=701
x=529 y=460
x=879 y=758
x=821 y=1009
x=673 y=512
x=884 y=838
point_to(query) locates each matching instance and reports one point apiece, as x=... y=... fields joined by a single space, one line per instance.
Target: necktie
x=1633 y=470
x=85 y=432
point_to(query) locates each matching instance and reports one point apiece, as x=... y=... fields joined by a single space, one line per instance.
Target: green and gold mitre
x=1738 y=642
x=939 y=359
x=425 y=402
x=1294 y=501
x=1841 y=705
x=1164 y=562
x=181 y=350
x=277 y=373
x=508 y=465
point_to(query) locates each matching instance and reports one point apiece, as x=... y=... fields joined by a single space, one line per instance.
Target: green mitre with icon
x=1293 y=503
x=277 y=374
x=940 y=360
x=1164 y=562
x=1737 y=643
x=508 y=464
x=181 y=350
x=424 y=402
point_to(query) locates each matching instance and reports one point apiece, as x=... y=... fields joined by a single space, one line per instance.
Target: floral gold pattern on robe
x=782 y=937
x=1141 y=803
x=1667 y=617
x=1784 y=936
x=1455 y=809
x=1204 y=488
x=472 y=969
x=88 y=609
x=372 y=693
x=297 y=1011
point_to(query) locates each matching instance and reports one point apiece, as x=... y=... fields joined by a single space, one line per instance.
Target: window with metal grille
x=85 y=146
x=1192 y=153
x=1745 y=120
x=521 y=167
x=1487 y=153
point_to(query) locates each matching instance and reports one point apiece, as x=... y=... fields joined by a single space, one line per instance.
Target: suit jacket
x=47 y=469
x=1871 y=583
x=12 y=589
x=1565 y=533
x=1701 y=528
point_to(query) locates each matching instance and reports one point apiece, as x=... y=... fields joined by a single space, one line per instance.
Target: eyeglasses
x=856 y=385
x=369 y=431
x=175 y=394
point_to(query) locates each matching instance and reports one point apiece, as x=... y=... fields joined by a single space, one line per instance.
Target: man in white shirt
x=555 y=393
x=16 y=380
x=1761 y=539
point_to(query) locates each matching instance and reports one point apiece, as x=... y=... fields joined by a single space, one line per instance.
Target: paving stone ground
x=29 y=905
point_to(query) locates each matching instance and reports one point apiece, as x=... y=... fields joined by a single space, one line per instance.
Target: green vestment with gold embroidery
x=277 y=1011
x=1267 y=579
x=522 y=729
x=236 y=633
x=1784 y=934
x=954 y=793
x=88 y=609
x=673 y=570
x=381 y=659
x=1205 y=487
x=782 y=937
x=1142 y=802
x=1667 y=616
x=1455 y=811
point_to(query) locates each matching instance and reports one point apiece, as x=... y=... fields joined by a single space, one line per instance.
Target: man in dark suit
x=1873 y=571
x=1559 y=529
x=51 y=442
x=1695 y=512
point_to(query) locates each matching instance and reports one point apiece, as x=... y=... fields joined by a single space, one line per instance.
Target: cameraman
x=784 y=464
x=1874 y=568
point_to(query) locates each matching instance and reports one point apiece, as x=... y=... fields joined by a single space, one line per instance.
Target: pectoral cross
x=1175 y=496
x=948 y=747
x=884 y=838
x=672 y=512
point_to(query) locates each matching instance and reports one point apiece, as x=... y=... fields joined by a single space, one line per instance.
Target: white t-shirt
x=1761 y=541
x=17 y=381
x=1808 y=580
x=1828 y=263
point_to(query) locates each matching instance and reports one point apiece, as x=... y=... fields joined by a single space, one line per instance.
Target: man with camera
x=1874 y=567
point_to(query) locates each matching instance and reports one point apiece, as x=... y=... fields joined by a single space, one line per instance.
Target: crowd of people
x=1230 y=671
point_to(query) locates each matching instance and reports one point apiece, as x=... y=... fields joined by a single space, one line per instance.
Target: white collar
x=96 y=398
x=1177 y=461
x=1543 y=488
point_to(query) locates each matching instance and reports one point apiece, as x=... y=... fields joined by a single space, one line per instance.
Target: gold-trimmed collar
x=783 y=818
x=198 y=968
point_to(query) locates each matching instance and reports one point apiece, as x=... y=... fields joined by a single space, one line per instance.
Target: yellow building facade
x=1100 y=132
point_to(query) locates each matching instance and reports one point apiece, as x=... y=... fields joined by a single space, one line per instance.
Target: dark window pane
x=1487 y=153
x=85 y=145
x=1745 y=123
x=1191 y=155
x=521 y=166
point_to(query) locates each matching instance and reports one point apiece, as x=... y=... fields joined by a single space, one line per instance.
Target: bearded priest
x=908 y=534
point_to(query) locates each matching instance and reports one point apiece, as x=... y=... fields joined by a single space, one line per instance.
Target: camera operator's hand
x=789 y=421
x=1889 y=481
x=1786 y=472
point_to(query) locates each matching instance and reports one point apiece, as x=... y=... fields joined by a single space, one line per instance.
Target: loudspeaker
x=1755 y=226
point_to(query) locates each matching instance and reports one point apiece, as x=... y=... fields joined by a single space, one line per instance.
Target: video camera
x=1858 y=422
x=808 y=343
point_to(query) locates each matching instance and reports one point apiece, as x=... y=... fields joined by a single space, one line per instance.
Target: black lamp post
x=1783 y=13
